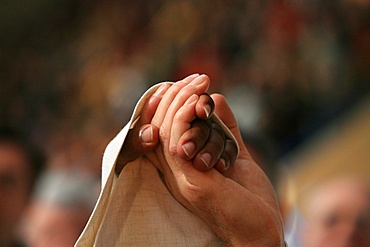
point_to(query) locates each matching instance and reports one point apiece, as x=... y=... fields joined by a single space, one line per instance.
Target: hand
x=205 y=139
x=239 y=204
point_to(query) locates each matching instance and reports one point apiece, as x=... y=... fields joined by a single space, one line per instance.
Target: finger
x=224 y=112
x=193 y=140
x=237 y=171
x=190 y=143
x=151 y=105
x=204 y=107
x=228 y=156
x=212 y=151
x=137 y=145
x=149 y=138
x=188 y=94
x=169 y=97
x=148 y=134
x=143 y=137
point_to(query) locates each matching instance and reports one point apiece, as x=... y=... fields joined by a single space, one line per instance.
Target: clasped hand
x=200 y=166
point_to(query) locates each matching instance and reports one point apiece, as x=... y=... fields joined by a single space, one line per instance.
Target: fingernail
x=191 y=99
x=160 y=91
x=223 y=162
x=188 y=148
x=199 y=80
x=146 y=134
x=207 y=109
x=206 y=158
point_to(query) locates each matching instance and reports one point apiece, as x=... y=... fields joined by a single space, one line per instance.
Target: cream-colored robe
x=136 y=208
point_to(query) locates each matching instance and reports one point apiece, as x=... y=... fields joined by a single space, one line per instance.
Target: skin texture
x=237 y=201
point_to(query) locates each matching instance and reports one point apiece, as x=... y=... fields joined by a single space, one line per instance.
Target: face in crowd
x=337 y=214
x=15 y=183
x=20 y=165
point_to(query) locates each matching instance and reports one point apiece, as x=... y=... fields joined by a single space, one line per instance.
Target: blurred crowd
x=71 y=71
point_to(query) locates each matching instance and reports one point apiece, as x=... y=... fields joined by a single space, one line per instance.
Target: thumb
x=143 y=137
x=224 y=112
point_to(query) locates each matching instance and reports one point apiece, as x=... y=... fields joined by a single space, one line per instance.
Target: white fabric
x=136 y=209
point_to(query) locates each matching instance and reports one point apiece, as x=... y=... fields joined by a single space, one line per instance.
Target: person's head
x=60 y=208
x=336 y=213
x=20 y=164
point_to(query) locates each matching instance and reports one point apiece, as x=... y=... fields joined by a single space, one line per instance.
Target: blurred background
x=296 y=73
